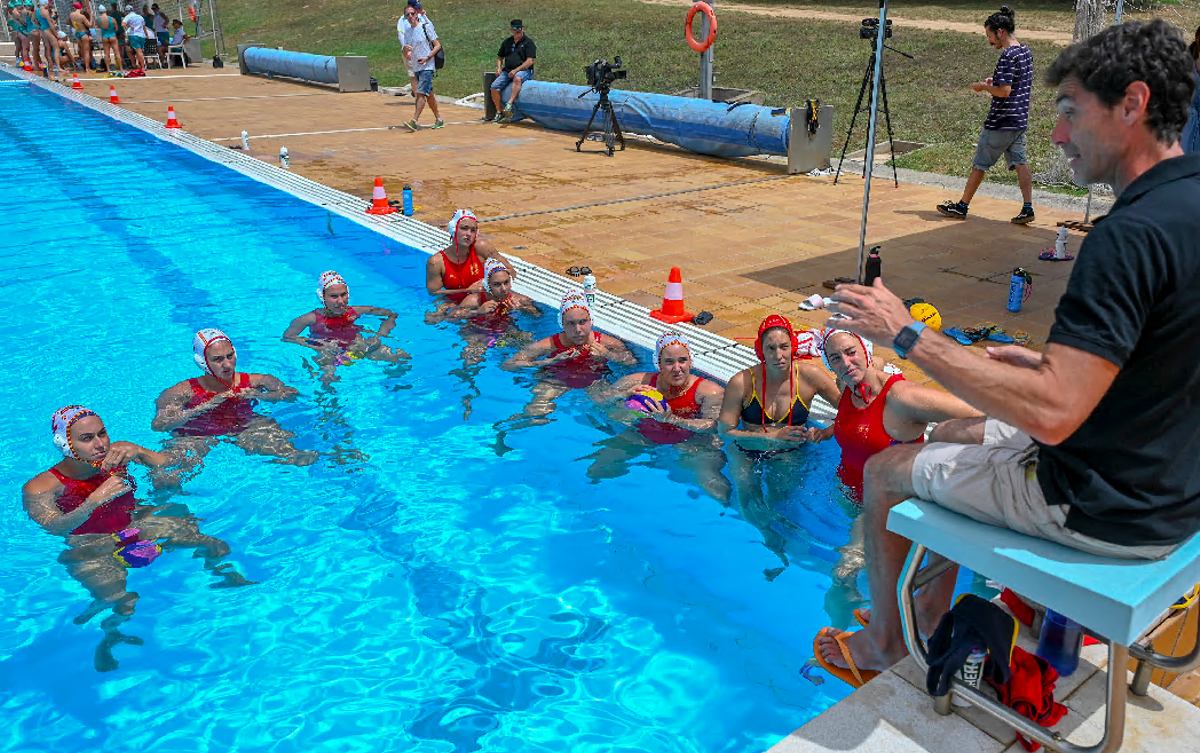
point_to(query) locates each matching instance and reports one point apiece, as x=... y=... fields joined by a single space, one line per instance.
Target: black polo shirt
x=1131 y=473
x=514 y=53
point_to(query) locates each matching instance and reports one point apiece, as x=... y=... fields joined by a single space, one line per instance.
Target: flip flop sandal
x=852 y=676
x=997 y=335
x=975 y=334
x=704 y=317
x=955 y=334
x=1021 y=337
x=574 y=272
x=832 y=284
x=585 y=270
x=1049 y=254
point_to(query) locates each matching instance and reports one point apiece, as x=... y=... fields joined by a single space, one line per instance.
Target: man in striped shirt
x=1004 y=130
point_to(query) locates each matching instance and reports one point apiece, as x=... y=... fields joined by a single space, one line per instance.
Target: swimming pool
x=418 y=591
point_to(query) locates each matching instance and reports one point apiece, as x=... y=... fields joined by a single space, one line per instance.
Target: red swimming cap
x=771 y=322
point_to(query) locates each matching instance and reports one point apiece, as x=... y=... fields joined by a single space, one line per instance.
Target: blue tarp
x=694 y=124
x=322 y=69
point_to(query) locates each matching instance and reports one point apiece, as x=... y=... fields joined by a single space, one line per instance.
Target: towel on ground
x=1030 y=692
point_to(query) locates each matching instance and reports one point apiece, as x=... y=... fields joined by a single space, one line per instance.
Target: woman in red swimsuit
x=877 y=409
x=87 y=498
x=687 y=417
x=457 y=270
x=335 y=333
x=575 y=358
x=220 y=404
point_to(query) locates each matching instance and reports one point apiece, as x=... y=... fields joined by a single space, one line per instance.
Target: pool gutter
x=717 y=356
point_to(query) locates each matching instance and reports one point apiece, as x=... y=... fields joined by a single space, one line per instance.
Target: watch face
x=906 y=339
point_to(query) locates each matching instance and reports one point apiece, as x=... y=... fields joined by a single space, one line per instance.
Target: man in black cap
x=514 y=64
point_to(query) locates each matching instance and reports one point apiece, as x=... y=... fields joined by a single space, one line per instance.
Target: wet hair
x=1153 y=53
x=1001 y=19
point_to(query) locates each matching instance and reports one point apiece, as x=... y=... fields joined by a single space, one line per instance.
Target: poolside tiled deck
x=750 y=239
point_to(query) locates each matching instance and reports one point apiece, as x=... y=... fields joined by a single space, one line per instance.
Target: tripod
x=868 y=79
x=612 y=129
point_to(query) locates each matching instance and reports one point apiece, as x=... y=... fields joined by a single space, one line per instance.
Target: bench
x=1116 y=600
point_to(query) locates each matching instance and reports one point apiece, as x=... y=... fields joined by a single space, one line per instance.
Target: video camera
x=601 y=74
x=870 y=29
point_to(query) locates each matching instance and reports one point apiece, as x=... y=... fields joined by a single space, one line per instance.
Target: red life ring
x=712 y=26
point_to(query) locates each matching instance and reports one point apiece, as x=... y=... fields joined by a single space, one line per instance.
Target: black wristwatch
x=907 y=338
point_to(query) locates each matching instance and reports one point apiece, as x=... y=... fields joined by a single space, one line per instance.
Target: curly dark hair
x=1002 y=19
x=1153 y=53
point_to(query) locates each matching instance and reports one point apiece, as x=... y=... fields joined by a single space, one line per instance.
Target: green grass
x=788 y=59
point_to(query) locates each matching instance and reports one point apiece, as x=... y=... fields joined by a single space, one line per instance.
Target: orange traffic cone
x=379 y=200
x=171 y=121
x=113 y=99
x=672 y=307
x=75 y=82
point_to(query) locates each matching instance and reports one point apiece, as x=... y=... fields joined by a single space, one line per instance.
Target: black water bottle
x=874 y=266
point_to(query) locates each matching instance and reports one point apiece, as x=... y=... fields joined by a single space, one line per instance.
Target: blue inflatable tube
x=695 y=124
x=322 y=69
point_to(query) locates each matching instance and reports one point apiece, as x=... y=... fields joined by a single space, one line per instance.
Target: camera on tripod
x=601 y=74
x=870 y=29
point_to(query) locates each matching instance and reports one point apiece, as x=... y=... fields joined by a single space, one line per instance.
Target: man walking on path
x=514 y=64
x=1004 y=129
x=420 y=45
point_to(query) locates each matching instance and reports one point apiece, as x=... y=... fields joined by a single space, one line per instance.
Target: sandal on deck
x=853 y=676
x=1049 y=254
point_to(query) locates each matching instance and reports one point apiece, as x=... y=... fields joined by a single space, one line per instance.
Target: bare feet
x=861 y=645
x=104 y=660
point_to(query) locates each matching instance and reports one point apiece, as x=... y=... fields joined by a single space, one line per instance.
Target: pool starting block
x=1117 y=600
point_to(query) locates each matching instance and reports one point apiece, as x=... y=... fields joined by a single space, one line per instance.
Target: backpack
x=439 y=60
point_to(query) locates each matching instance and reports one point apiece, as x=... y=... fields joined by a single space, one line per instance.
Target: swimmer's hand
x=111 y=488
x=118 y=455
x=660 y=412
x=817 y=434
x=475 y=287
x=566 y=355
x=788 y=433
x=489 y=306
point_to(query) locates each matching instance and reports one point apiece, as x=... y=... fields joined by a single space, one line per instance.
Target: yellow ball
x=923 y=312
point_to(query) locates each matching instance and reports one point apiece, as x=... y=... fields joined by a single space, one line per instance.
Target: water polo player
x=219 y=404
x=334 y=330
x=457 y=270
x=671 y=406
x=88 y=498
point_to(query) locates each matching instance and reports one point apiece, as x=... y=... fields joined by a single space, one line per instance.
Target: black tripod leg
x=587 y=129
x=854 y=118
x=617 y=128
x=887 y=116
x=610 y=120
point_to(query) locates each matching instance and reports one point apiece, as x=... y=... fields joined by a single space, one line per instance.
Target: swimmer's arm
x=529 y=356
x=619 y=390
x=710 y=396
x=918 y=406
x=468 y=308
x=526 y=304
x=120 y=453
x=272 y=390
x=40 y=494
x=170 y=413
x=618 y=351
x=487 y=250
x=388 y=323
x=822 y=383
x=298 y=325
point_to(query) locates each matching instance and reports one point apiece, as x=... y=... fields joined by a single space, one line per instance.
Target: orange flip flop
x=853 y=676
x=862 y=617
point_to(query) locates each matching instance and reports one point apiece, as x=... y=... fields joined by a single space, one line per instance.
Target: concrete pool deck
x=750 y=239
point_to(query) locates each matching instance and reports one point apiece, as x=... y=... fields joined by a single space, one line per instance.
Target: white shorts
x=996 y=483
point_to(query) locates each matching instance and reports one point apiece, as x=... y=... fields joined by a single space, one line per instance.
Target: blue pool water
x=417 y=590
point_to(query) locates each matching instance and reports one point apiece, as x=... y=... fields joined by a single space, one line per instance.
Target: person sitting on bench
x=1095 y=442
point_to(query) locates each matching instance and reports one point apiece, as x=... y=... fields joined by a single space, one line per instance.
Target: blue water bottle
x=1019 y=289
x=408 y=205
x=1060 y=642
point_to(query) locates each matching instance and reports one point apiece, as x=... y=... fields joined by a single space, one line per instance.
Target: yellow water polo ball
x=923 y=312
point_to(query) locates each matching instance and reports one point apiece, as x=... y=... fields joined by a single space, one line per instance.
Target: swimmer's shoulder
x=44 y=483
x=709 y=388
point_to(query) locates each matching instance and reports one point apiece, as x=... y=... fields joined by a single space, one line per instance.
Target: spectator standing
x=162 y=32
x=1004 y=130
x=1191 y=132
x=135 y=32
x=514 y=64
x=420 y=45
x=401 y=25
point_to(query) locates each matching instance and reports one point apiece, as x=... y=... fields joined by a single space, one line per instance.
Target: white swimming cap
x=670 y=338
x=100 y=9
x=60 y=424
x=491 y=265
x=866 y=346
x=573 y=299
x=459 y=216
x=201 y=343
x=326 y=279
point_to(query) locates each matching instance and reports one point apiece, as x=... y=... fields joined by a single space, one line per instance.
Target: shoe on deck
x=411 y=125
x=1024 y=218
x=439 y=123
x=499 y=118
x=953 y=209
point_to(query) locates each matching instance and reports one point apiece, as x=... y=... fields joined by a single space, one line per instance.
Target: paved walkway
x=750 y=240
x=1063 y=38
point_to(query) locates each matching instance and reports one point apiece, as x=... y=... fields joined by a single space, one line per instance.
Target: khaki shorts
x=996 y=483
